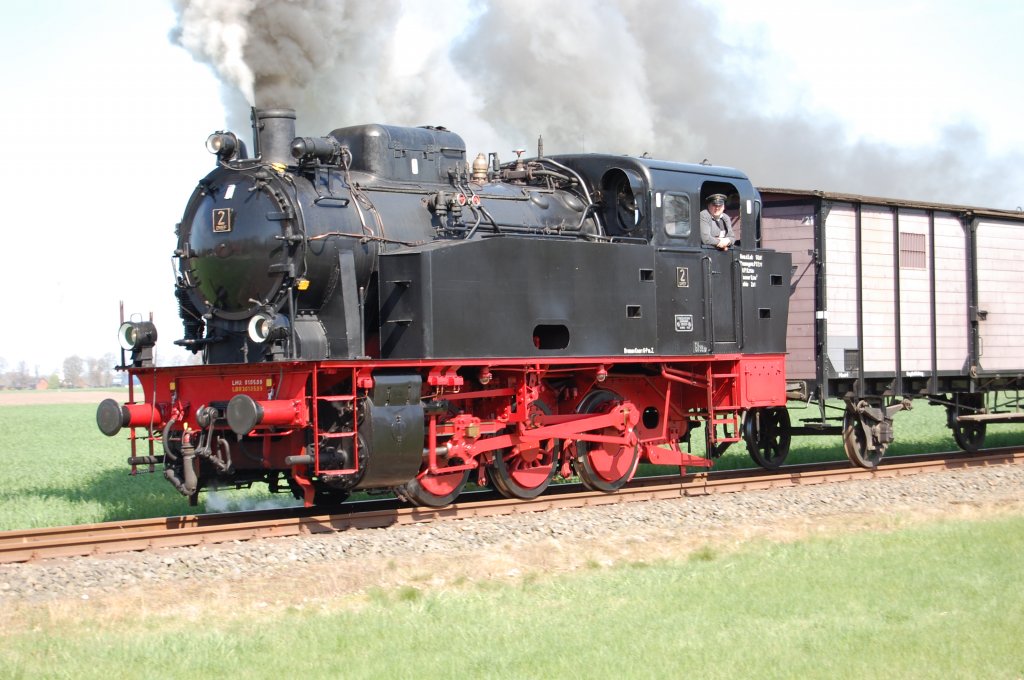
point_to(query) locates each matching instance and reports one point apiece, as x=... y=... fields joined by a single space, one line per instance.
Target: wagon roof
x=1017 y=214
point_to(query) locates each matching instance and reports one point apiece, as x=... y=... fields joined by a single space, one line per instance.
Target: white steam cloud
x=216 y=33
x=616 y=76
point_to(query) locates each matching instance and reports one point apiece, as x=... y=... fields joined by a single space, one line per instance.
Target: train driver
x=715 y=225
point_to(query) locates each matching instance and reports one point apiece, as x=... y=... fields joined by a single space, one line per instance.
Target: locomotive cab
x=738 y=290
x=709 y=301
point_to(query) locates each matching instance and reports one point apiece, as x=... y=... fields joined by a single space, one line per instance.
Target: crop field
x=56 y=467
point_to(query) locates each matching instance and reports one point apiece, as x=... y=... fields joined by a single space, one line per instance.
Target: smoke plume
x=617 y=76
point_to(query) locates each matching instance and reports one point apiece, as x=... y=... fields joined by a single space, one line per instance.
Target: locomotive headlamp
x=133 y=335
x=266 y=327
x=310 y=149
x=222 y=143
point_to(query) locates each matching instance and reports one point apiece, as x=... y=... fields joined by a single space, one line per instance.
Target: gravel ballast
x=506 y=546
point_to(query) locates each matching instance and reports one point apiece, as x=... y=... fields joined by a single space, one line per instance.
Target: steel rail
x=192 y=530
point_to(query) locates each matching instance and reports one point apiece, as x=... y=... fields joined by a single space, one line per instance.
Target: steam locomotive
x=374 y=312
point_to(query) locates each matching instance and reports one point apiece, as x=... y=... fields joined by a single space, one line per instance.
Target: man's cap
x=717 y=199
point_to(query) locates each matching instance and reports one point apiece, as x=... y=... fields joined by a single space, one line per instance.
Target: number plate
x=223 y=219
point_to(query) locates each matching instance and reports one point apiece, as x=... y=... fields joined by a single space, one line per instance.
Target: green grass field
x=932 y=601
x=57 y=468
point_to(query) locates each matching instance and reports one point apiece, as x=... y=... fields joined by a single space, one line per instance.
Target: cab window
x=623 y=193
x=676 y=211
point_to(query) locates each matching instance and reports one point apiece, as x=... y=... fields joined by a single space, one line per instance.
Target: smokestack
x=273 y=131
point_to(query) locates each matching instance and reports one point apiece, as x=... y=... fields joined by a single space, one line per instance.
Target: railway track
x=189 y=530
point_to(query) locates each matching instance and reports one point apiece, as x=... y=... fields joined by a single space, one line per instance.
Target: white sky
x=105 y=123
x=894 y=71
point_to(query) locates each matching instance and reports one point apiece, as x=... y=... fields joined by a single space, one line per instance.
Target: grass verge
x=932 y=601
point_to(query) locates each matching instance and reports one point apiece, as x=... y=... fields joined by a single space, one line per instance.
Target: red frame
x=715 y=389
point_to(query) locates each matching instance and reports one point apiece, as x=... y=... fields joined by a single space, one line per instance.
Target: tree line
x=77 y=372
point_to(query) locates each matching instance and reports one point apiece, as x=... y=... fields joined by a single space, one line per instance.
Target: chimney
x=273 y=131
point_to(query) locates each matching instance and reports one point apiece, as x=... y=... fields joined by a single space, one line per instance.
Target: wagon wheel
x=604 y=467
x=436 y=490
x=856 y=443
x=969 y=436
x=525 y=473
x=767 y=434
